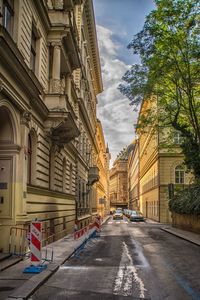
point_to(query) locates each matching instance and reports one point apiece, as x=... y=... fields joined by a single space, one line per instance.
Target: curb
x=29 y=287
x=181 y=236
x=106 y=219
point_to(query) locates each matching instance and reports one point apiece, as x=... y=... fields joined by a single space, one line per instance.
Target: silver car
x=118 y=215
x=136 y=216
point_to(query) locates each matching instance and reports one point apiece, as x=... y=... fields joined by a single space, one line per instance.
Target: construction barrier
x=96 y=224
x=81 y=232
x=18 y=241
x=47 y=237
x=36 y=242
x=37 y=262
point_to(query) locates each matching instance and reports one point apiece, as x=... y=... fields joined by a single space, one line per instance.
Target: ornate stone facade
x=103 y=203
x=48 y=89
x=119 y=181
x=133 y=176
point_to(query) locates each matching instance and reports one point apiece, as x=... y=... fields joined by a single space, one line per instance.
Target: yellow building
x=49 y=78
x=103 y=204
x=119 y=181
x=133 y=176
x=159 y=165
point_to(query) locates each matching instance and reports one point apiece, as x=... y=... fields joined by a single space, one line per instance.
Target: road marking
x=74 y=267
x=110 y=222
x=118 y=222
x=127 y=274
x=98 y=259
x=184 y=283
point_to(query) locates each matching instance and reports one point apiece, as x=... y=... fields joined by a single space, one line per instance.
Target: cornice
x=93 y=45
x=36 y=190
x=101 y=133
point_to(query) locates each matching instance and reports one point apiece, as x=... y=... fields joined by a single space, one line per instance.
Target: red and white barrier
x=80 y=232
x=95 y=225
x=36 y=242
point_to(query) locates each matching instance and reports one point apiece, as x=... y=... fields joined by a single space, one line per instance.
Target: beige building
x=133 y=176
x=119 y=181
x=160 y=163
x=49 y=78
x=103 y=204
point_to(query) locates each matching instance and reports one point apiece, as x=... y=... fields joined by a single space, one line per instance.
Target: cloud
x=114 y=111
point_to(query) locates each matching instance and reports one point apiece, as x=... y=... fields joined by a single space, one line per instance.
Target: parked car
x=129 y=213
x=126 y=211
x=136 y=216
x=118 y=215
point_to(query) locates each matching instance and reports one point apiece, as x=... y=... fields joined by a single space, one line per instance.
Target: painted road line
x=127 y=274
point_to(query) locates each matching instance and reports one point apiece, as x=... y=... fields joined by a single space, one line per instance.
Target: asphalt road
x=128 y=261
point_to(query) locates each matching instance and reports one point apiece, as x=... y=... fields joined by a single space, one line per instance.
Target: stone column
x=56 y=62
x=22 y=173
x=56 y=86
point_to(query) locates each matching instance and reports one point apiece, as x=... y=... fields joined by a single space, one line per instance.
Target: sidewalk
x=183 y=234
x=14 y=284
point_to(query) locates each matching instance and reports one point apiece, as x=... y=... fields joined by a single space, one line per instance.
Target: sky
x=117 y=21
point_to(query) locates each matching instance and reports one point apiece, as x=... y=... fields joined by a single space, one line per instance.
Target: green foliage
x=169 y=49
x=186 y=201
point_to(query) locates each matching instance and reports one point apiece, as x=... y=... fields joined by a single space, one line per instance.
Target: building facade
x=103 y=204
x=160 y=164
x=133 y=176
x=119 y=181
x=49 y=78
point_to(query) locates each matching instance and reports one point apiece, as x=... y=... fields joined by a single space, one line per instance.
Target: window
x=33 y=49
x=29 y=159
x=32 y=158
x=179 y=174
x=79 y=193
x=52 y=169
x=8 y=13
x=177 y=137
x=70 y=178
x=64 y=176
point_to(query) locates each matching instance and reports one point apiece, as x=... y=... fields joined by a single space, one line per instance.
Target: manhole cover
x=6 y=288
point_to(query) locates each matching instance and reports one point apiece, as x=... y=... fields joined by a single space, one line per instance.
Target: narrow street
x=128 y=261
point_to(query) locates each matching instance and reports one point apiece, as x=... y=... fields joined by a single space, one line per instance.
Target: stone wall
x=187 y=222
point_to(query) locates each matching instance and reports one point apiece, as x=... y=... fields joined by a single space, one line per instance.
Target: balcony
x=61 y=127
x=64 y=24
x=63 y=4
x=93 y=175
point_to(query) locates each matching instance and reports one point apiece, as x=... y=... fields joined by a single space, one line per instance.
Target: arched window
x=32 y=158
x=179 y=174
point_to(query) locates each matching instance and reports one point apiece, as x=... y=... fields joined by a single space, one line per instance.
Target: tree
x=169 y=50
